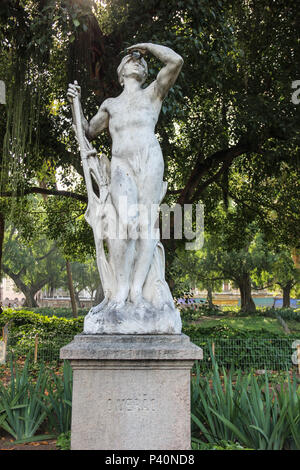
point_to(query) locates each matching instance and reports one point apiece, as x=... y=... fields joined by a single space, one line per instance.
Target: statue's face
x=136 y=68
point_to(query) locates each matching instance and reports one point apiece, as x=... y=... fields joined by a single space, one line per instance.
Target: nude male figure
x=137 y=164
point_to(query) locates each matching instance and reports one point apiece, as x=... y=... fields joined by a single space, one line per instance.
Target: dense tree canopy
x=228 y=128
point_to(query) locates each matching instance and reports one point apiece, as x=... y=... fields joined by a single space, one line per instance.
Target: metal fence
x=249 y=353
x=243 y=353
x=40 y=349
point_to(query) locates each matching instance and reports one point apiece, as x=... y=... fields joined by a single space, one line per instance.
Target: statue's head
x=132 y=66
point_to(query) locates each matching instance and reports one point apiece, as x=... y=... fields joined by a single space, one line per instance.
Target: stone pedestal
x=131 y=392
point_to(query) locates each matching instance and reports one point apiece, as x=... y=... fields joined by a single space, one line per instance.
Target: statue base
x=129 y=319
x=131 y=392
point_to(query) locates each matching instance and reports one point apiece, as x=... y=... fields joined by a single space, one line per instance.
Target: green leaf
x=233 y=428
x=41 y=437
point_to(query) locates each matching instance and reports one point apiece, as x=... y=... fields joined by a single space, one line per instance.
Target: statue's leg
x=145 y=249
x=124 y=198
x=149 y=193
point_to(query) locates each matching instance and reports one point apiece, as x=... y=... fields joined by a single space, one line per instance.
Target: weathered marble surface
x=136 y=319
x=131 y=347
x=130 y=185
x=131 y=392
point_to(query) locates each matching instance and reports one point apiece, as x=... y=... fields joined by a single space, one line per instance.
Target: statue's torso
x=132 y=120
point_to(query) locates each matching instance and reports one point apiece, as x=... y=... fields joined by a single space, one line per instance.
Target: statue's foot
x=99 y=307
x=126 y=317
x=141 y=304
x=136 y=297
x=119 y=305
x=116 y=304
x=121 y=297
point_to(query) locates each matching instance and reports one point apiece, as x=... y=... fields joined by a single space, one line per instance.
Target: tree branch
x=210 y=180
x=262 y=287
x=50 y=192
x=191 y=190
x=47 y=254
x=19 y=283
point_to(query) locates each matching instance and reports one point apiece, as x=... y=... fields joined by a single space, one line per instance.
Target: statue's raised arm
x=172 y=65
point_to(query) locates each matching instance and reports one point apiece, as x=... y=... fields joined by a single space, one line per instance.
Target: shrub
x=245 y=409
x=64 y=441
x=223 y=445
x=56 y=311
x=53 y=332
x=28 y=320
x=193 y=314
x=23 y=403
x=60 y=397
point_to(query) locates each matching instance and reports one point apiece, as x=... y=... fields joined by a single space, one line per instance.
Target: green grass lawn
x=294 y=326
x=247 y=323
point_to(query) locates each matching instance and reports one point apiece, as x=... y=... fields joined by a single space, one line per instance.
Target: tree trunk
x=286 y=291
x=77 y=299
x=210 y=297
x=30 y=298
x=71 y=290
x=2 y=227
x=247 y=303
x=29 y=291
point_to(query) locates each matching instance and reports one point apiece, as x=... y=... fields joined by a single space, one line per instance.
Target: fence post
x=5 y=339
x=36 y=343
x=4 y=342
x=213 y=353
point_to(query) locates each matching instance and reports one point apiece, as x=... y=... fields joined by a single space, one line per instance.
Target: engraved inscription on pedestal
x=132 y=404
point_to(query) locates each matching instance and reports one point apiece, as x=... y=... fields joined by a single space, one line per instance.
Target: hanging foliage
x=26 y=30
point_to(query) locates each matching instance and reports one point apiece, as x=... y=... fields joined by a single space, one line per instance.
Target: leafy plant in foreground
x=244 y=409
x=64 y=441
x=23 y=403
x=60 y=397
x=223 y=445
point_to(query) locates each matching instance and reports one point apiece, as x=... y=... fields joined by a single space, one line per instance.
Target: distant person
x=1 y=309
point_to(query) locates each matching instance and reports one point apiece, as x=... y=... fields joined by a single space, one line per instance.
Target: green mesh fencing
x=243 y=353
x=247 y=353
x=40 y=349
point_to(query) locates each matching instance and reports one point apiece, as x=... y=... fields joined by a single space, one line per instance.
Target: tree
x=229 y=112
x=196 y=270
x=240 y=251
x=31 y=266
x=85 y=277
x=286 y=274
x=71 y=289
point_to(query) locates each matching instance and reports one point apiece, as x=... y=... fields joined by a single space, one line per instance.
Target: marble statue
x=129 y=189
